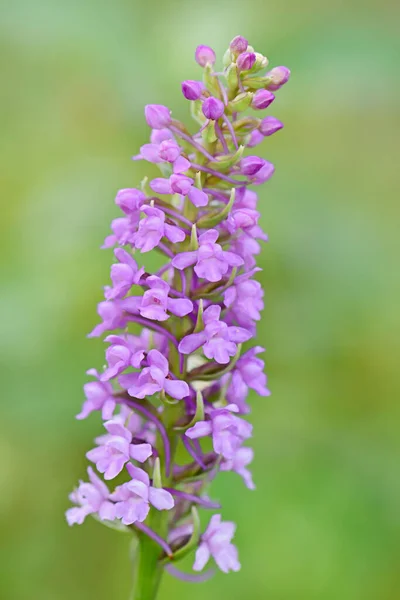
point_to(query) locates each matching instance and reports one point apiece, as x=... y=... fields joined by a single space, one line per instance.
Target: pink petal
x=199 y=429
x=161 y=499
x=140 y=452
x=208 y=237
x=180 y=306
x=181 y=165
x=184 y=260
x=137 y=473
x=197 y=197
x=156 y=359
x=176 y=389
x=161 y=186
x=202 y=557
x=174 y=234
x=192 y=342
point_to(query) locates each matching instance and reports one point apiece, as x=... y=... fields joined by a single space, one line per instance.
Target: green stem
x=148 y=570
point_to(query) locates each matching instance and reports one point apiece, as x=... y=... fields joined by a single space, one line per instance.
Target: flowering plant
x=179 y=388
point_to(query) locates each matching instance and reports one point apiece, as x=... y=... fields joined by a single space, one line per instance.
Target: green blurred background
x=324 y=522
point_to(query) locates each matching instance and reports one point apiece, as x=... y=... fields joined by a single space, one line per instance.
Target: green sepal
x=211 y=81
x=157 y=481
x=193 y=540
x=198 y=415
x=226 y=161
x=199 y=321
x=196 y=112
x=260 y=64
x=213 y=219
x=116 y=524
x=165 y=168
x=257 y=83
x=144 y=186
x=227 y=58
x=232 y=78
x=214 y=293
x=246 y=125
x=208 y=134
x=194 y=242
x=240 y=103
x=198 y=180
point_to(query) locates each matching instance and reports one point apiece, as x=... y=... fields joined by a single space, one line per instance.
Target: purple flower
x=130 y=200
x=245 y=198
x=212 y=263
x=155 y=302
x=166 y=151
x=245 y=61
x=153 y=379
x=112 y=316
x=270 y=125
x=157 y=116
x=263 y=174
x=262 y=99
x=192 y=90
x=279 y=76
x=213 y=108
x=245 y=300
x=218 y=339
x=238 y=463
x=248 y=373
x=245 y=219
x=153 y=228
x=204 y=55
x=123 y=352
x=251 y=165
x=216 y=542
x=124 y=275
x=99 y=396
x=93 y=497
x=123 y=230
x=238 y=45
x=116 y=450
x=246 y=247
x=228 y=431
x=133 y=498
x=180 y=184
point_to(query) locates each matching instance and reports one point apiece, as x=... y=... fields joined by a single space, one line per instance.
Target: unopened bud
x=251 y=165
x=192 y=90
x=204 y=55
x=262 y=99
x=278 y=76
x=157 y=116
x=270 y=125
x=238 y=45
x=245 y=61
x=213 y=108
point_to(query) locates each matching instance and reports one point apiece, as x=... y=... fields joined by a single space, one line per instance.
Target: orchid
x=176 y=379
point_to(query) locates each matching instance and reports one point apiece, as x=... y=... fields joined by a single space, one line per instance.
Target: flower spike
x=182 y=382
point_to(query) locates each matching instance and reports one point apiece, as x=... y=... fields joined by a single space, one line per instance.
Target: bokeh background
x=324 y=523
